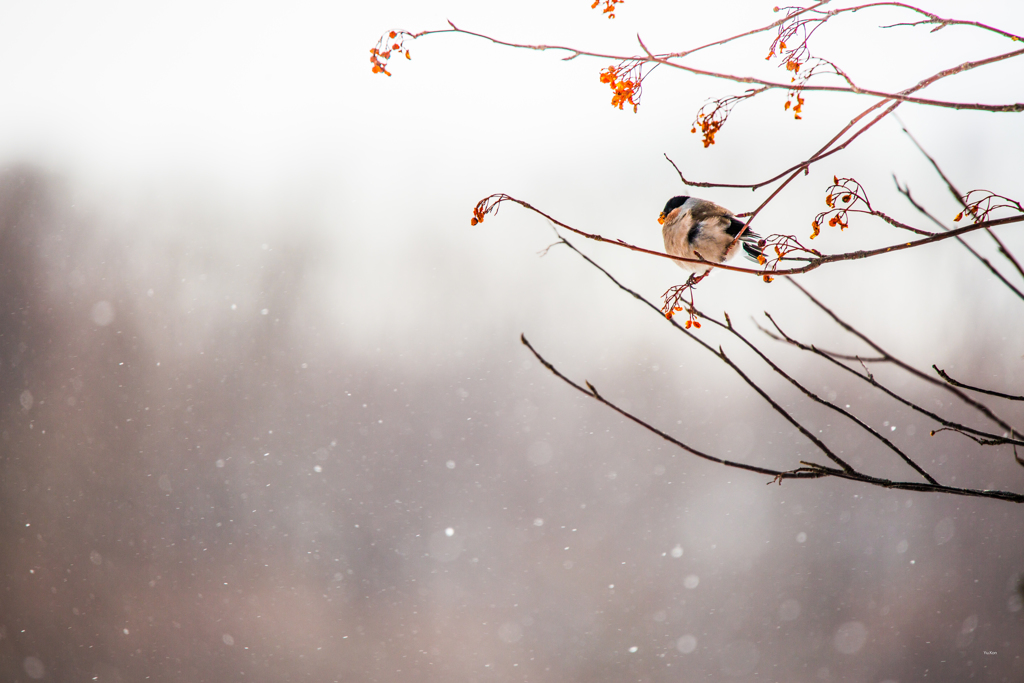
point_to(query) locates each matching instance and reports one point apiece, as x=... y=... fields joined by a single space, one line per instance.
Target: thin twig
x=905 y=191
x=592 y=392
x=725 y=359
x=975 y=439
x=870 y=379
x=943 y=375
x=665 y=59
x=817 y=399
x=960 y=200
x=980 y=407
x=810 y=471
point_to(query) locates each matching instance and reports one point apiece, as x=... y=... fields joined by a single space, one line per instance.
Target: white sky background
x=269 y=112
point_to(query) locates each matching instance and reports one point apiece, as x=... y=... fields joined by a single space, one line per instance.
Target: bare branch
x=870 y=379
x=975 y=439
x=666 y=59
x=809 y=471
x=943 y=375
x=721 y=355
x=959 y=196
x=984 y=410
x=817 y=399
x=905 y=191
x=490 y=205
x=593 y=393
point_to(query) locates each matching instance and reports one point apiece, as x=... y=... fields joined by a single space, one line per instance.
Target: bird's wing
x=735 y=225
x=749 y=239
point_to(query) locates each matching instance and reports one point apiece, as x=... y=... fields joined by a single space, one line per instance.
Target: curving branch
x=905 y=191
x=1008 y=397
x=593 y=393
x=949 y=425
x=666 y=59
x=959 y=196
x=807 y=470
x=980 y=407
x=491 y=204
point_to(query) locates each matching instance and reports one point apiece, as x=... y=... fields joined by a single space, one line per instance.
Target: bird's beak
x=661 y=218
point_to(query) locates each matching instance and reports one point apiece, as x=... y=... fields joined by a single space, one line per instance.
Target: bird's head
x=671 y=206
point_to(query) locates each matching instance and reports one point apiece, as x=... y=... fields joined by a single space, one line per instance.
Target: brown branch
x=1008 y=496
x=833 y=354
x=817 y=399
x=794 y=171
x=592 y=392
x=491 y=203
x=728 y=325
x=983 y=409
x=975 y=439
x=797 y=168
x=721 y=355
x=651 y=58
x=774 y=24
x=811 y=471
x=870 y=379
x=905 y=191
x=822 y=153
x=933 y=19
x=960 y=200
x=1006 y=252
x=943 y=375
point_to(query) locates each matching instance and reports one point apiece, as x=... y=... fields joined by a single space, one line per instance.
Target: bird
x=698 y=229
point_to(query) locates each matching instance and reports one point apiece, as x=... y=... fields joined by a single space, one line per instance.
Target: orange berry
x=392 y=35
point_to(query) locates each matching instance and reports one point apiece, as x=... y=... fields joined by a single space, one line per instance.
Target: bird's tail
x=751 y=248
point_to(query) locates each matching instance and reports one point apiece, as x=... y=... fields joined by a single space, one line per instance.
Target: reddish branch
x=905 y=191
x=666 y=59
x=490 y=205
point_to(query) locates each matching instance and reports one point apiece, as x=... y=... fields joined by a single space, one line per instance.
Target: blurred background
x=265 y=415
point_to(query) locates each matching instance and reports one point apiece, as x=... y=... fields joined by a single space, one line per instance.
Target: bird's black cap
x=674 y=203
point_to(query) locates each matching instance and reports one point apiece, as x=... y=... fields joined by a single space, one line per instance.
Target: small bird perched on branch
x=698 y=229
